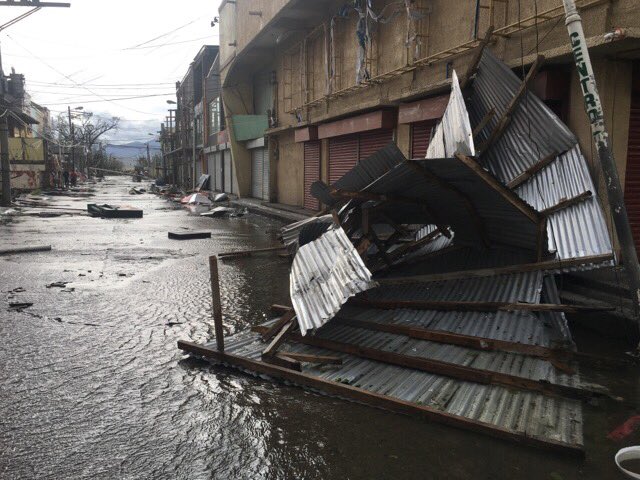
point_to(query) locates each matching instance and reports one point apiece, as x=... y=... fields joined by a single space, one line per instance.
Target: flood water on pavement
x=92 y=384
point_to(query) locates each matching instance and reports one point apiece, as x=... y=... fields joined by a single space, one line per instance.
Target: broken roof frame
x=413 y=355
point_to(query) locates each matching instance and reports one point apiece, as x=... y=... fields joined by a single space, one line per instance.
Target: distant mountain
x=128 y=153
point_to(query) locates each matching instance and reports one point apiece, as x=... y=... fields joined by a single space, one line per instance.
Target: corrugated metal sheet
x=219 y=167
x=499 y=220
x=536 y=415
x=534 y=131
x=325 y=273
x=290 y=232
x=370 y=142
x=343 y=156
x=455 y=128
x=311 y=172
x=579 y=230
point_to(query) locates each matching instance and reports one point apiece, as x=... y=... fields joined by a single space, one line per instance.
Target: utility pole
x=593 y=108
x=73 y=157
x=4 y=146
x=148 y=156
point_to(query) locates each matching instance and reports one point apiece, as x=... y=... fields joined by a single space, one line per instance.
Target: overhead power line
x=102 y=99
x=163 y=35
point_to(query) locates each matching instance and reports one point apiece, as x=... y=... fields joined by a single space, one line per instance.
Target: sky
x=97 y=52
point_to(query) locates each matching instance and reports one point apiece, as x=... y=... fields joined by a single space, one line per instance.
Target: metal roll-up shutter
x=257 y=172
x=343 y=155
x=371 y=142
x=219 y=171
x=420 y=136
x=198 y=168
x=632 y=176
x=211 y=170
x=311 y=173
x=228 y=177
x=266 y=169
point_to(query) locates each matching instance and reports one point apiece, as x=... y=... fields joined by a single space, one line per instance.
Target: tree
x=86 y=133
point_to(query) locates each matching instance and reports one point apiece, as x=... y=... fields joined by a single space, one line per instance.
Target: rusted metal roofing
x=534 y=133
x=326 y=272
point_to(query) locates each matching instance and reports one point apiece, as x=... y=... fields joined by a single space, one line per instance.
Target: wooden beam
x=531 y=171
x=281 y=309
x=379 y=400
x=278 y=324
x=483 y=123
x=489 y=272
x=503 y=191
x=452 y=370
x=272 y=348
x=467 y=341
x=216 y=302
x=542 y=241
x=568 y=202
x=473 y=306
x=319 y=359
x=247 y=253
x=477 y=56
x=505 y=118
x=283 y=361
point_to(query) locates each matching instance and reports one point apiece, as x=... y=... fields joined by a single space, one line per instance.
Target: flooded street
x=92 y=384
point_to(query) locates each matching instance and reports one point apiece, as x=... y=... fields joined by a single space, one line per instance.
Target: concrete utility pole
x=4 y=157
x=73 y=157
x=593 y=107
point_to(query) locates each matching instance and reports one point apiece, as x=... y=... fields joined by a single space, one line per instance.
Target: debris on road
x=188 y=235
x=19 y=305
x=57 y=285
x=36 y=248
x=196 y=199
x=434 y=279
x=110 y=211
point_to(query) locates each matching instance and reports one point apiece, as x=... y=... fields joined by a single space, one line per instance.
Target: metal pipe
x=593 y=108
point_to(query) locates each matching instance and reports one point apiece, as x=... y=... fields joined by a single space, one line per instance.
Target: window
x=215 y=115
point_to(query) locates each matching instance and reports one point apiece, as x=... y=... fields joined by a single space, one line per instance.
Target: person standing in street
x=74 y=177
x=65 y=177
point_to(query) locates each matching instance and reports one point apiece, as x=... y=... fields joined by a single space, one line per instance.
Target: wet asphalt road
x=93 y=386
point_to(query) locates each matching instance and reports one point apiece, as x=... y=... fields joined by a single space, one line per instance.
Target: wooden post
x=216 y=302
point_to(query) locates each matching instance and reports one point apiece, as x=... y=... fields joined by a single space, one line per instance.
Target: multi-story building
x=27 y=123
x=323 y=84
x=187 y=159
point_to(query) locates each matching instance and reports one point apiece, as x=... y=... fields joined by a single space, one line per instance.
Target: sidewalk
x=279 y=211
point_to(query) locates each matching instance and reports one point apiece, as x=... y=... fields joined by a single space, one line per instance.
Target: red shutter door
x=371 y=142
x=632 y=177
x=311 y=173
x=420 y=135
x=343 y=155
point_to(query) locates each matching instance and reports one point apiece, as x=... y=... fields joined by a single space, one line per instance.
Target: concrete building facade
x=344 y=80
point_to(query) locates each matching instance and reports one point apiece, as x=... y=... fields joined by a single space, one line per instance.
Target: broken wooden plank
x=505 y=118
x=567 y=202
x=272 y=348
x=452 y=370
x=318 y=359
x=281 y=309
x=465 y=306
x=483 y=123
x=188 y=235
x=283 y=361
x=489 y=272
x=278 y=324
x=499 y=188
x=216 y=302
x=35 y=248
x=477 y=56
x=531 y=171
x=379 y=400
